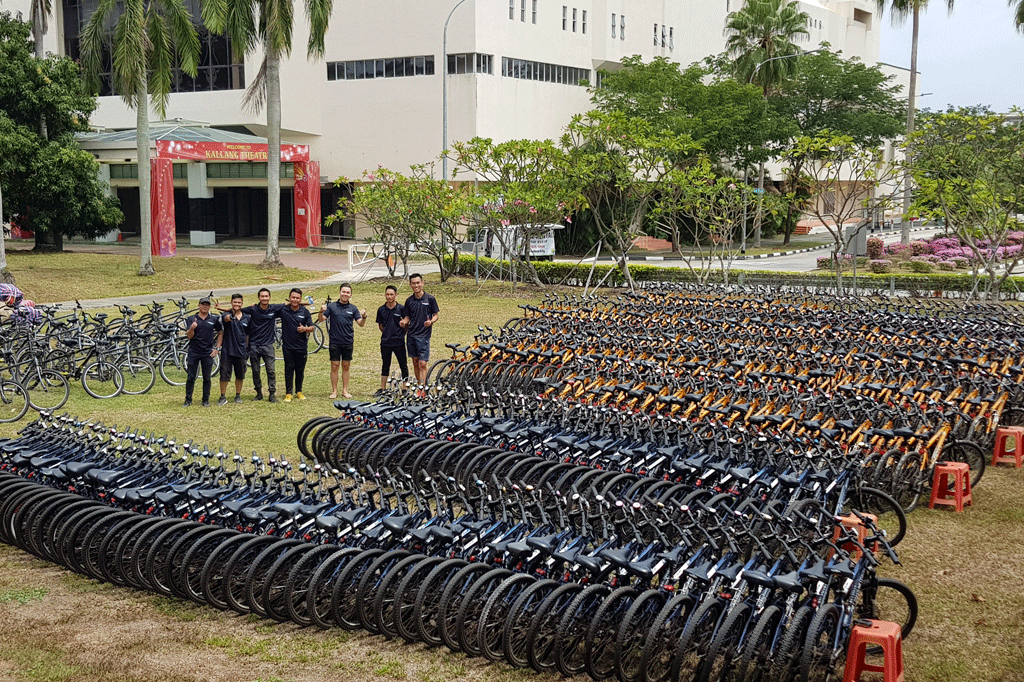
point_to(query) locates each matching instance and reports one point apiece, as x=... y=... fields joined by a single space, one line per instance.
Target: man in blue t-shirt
x=392 y=335
x=421 y=312
x=235 y=349
x=204 y=332
x=263 y=319
x=296 y=324
x=341 y=316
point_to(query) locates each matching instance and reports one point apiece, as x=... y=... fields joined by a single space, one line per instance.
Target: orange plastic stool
x=851 y=521
x=881 y=633
x=957 y=473
x=1000 y=454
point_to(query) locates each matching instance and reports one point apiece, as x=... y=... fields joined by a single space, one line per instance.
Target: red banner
x=161 y=203
x=227 y=151
x=307 y=204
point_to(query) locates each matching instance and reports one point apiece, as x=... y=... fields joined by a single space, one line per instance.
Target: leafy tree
x=618 y=165
x=523 y=184
x=268 y=24
x=843 y=178
x=149 y=38
x=969 y=170
x=31 y=165
x=727 y=118
x=761 y=44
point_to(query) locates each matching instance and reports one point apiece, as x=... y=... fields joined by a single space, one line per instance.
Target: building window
x=470 y=62
x=512 y=9
x=655 y=35
x=522 y=11
x=671 y=42
x=540 y=71
x=622 y=27
x=395 y=67
x=535 y=11
x=614 y=25
x=583 y=25
x=573 y=19
x=565 y=16
x=663 y=35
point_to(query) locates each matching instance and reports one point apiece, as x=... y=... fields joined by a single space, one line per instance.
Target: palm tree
x=760 y=42
x=272 y=30
x=39 y=15
x=149 y=37
x=1018 y=17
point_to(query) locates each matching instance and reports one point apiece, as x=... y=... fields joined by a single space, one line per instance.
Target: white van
x=539 y=239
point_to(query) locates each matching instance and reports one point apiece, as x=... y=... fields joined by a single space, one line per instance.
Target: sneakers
x=300 y=396
x=272 y=399
x=259 y=396
x=287 y=397
x=206 y=403
x=238 y=400
x=187 y=403
x=222 y=401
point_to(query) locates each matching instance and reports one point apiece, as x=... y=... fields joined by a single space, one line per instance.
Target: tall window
x=565 y=16
x=573 y=19
x=671 y=42
x=512 y=9
x=584 y=24
x=522 y=10
x=655 y=35
x=663 y=35
x=535 y=11
x=614 y=24
x=622 y=27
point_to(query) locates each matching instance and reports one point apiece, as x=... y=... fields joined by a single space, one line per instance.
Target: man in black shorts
x=204 y=332
x=421 y=312
x=296 y=324
x=392 y=336
x=340 y=316
x=235 y=348
x=263 y=318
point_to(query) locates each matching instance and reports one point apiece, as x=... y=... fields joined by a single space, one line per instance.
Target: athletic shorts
x=341 y=353
x=228 y=364
x=419 y=349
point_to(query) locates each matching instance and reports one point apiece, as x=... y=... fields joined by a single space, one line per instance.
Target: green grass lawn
x=966 y=568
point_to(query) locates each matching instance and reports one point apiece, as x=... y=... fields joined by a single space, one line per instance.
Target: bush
x=921 y=266
x=961 y=262
x=880 y=267
x=875 y=247
x=920 y=248
x=946 y=265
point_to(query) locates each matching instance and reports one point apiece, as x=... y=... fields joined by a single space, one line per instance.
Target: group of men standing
x=248 y=333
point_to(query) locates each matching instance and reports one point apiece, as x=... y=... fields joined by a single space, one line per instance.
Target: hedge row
x=575 y=274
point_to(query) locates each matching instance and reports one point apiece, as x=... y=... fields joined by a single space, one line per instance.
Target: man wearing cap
x=205 y=333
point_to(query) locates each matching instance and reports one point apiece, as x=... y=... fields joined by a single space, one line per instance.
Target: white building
x=376 y=96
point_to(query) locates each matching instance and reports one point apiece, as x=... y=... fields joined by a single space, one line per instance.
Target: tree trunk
x=911 y=103
x=5 y=274
x=38 y=31
x=145 y=210
x=47 y=240
x=760 y=193
x=273 y=257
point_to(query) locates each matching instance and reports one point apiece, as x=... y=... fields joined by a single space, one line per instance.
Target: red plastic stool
x=1001 y=454
x=959 y=493
x=852 y=521
x=881 y=633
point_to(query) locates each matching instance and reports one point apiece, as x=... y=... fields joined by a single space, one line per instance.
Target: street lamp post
x=444 y=93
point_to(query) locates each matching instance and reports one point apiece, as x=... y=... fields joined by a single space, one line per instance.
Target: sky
x=972 y=56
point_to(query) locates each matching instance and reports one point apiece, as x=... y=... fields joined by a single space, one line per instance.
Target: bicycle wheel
x=907 y=481
x=455 y=590
x=786 y=659
x=630 y=638
x=824 y=655
x=47 y=389
x=260 y=571
x=756 y=656
x=540 y=648
x=385 y=603
x=520 y=615
x=890 y=515
x=405 y=598
x=102 y=380
x=696 y=638
x=969 y=453
x=891 y=601
x=490 y=629
x=274 y=595
x=137 y=374
x=319 y=339
x=345 y=591
x=660 y=643
x=571 y=638
x=174 y=367
x=13 y=401
x=600 y=648
x=721 y=658
x=318 y=597
x=370 y=584
x=472 y=607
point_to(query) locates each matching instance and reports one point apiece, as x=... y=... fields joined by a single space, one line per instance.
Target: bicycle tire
x=406 y=595
x=571 y=638
x=158 y=556
x=660 y=643
x=385 y=601
x=540 y=648
x=189 y=582
x=138 y=375
x=259 y=571
x=824 y=656
x=893 y=601
x=123 y=568
x=173 y=366
x=891 y=517
x=630 y=637
x=14 y=401
x=300 y=580
x=600 y=647
x=490 y=629
x=211 y=578
x=696 y=637
x=515 y=638
x=318 y=597
x=94 y=540
x=102 y=380
x=48 y=389
x=369 y=584
x=455 y=589
x=344 y=592
x=755 y=659
x=786 y=659
x=721 y=658
x=906 y=483
x=274 y=595
x=235 y=577
x=472 y=606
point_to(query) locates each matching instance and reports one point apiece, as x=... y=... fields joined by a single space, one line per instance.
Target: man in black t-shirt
x=263 y=319
x=235 y=348
x=392 y=335
x=421 y=312
x=204 y=332
x=296 y=324
x=341 y=315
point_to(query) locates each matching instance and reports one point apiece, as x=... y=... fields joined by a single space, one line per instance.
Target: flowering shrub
x=961 y=262
x=898 y=251
x=880 y=267
x=921 y=266
x=828 y=263
x=946 y=265
x=919 y=248
x=875 y=246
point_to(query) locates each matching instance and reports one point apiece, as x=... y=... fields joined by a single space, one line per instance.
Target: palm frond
x=183 y=35
x=256 y=93
x=161 y=62
x=319 y=13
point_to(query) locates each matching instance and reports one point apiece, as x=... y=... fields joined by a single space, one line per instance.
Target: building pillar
x=306 y=194
x=202 y=231
x=161 y=202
